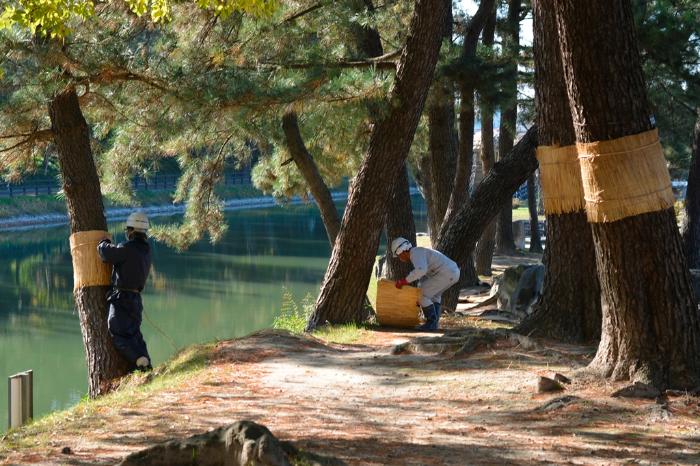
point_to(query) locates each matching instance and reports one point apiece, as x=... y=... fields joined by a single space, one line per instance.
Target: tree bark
x=535 y=241
x=399 y=222
x=569 y=308
x=691 y=221
x=349 y=270
x=442 y=153
x=399 y=216
x=81 y=186
x=458 y=238
x=505 y=244
x=651 y=326
x=487 y=242
x=306 y=165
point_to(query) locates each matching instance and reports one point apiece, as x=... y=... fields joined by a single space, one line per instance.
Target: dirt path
x=363 y=405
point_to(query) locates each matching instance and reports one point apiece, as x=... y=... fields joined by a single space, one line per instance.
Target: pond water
x=211 y=291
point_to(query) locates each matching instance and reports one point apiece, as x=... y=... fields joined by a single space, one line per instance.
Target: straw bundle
x=624 y=177
x=88 y=268
x=560 y=175
x=397 y=308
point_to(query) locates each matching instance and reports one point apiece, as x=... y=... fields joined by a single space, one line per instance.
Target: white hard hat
x=138 y=221
x=400 y=245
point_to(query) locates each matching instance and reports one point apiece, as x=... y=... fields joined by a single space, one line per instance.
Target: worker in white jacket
x=436 y=273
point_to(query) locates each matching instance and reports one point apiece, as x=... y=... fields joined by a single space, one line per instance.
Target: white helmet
x=400 y=245
x=138 y=221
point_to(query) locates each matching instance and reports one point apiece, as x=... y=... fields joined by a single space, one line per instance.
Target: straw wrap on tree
x=88 y=268
x=560 y=176
x=624 y=177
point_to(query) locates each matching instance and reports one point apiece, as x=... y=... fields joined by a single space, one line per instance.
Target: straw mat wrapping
x=624 y=177
x=397 y=308
x=560 y=176
x=88 y=268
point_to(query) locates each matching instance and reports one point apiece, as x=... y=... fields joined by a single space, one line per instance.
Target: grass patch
x=342 y=334
x=134 y=388
x=295 y=315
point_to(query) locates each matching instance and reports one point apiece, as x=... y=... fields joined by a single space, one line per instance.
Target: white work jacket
x=429 y=263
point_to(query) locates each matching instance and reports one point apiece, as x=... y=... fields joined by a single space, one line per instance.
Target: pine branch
x=43 y=135
x=111 y=75
x=303 y=12
x=381 y=62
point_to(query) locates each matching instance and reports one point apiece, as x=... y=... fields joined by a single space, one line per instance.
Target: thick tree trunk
x=350 y=267
x=487 y=242
x=569 y=308
x=691 y=222
x=458 y=238
x=399 y=222
x=535 y=241
x=651 y=326
x=306 y=165
x=442 y=158
x=505 y=244
x=81 y=186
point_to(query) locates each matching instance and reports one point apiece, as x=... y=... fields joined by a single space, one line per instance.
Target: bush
x=293 y=316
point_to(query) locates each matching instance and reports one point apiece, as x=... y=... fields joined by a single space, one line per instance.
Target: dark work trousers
x=124 y=323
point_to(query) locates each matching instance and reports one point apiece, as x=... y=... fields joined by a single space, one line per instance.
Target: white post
x=20 y=399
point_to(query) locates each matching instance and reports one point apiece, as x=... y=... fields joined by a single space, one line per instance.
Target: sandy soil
x=361 y=404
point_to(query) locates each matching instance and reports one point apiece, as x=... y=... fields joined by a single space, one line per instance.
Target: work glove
x=401 y=283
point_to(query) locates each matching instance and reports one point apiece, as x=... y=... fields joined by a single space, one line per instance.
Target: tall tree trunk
x=81 y=186
x=306 y=165
x=465 y=157
x=399 y=216
x=569 y=308
x=487 y=242
x=399 y=222
x=442 y=159
x=460 y=186
x=651 y=326
x=691 y=222
x=505 y=244
x=349 y=270
x=535 y=241
x=458 y=238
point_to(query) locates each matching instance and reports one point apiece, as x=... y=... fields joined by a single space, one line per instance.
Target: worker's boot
x=437 y=315
x=430 y=318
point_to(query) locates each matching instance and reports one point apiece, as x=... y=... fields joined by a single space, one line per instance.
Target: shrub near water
x=293 y=316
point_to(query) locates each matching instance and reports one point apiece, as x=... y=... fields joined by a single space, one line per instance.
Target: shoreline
x=31 y=222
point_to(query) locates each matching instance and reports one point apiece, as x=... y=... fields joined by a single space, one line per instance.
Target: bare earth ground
x=363 y=405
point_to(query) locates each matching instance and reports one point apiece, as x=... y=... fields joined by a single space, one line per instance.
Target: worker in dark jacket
x=131 y=262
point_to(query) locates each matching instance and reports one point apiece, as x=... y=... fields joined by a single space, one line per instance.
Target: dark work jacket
x=131 y=260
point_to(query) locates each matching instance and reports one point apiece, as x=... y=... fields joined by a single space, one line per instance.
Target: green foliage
x=293 y=316
x=53 y=18
x=670 y=50
x=207 y=90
